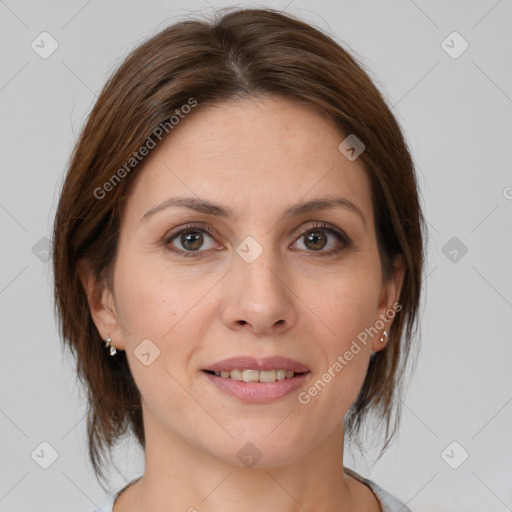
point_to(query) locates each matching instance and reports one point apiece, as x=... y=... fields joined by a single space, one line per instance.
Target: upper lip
x=253 y=363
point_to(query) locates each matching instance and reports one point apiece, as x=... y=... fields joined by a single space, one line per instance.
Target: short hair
x=241 y=53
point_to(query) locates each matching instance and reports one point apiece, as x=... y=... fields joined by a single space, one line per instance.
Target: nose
x=259 y=296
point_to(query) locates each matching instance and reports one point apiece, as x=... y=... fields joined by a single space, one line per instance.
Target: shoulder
x=107 y=506
x=387 y=502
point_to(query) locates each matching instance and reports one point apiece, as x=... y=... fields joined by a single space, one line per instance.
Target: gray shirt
x=388 y=503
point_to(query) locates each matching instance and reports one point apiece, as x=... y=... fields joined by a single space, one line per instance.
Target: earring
x=108 y=343
x=382 y=337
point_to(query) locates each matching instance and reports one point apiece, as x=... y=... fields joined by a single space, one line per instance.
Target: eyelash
x=342 y=238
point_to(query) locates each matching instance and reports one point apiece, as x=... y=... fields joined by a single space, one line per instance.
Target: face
x=193 y=287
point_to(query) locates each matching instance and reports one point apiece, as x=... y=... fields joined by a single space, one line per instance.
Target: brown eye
x=316 y=240
x=191 y=240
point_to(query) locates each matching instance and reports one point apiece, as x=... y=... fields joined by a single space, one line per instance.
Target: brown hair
x=241 y=53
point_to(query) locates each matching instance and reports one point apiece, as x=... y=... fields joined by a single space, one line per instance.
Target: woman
x=238 y=252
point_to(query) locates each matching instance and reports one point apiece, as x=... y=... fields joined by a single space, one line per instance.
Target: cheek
x=346 y=305
x=157 y=310
x=154 y=300
x=170 y=309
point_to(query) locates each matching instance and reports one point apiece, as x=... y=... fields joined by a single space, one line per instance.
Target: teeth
x=256 y=375
x=251 y=375
x=234 y=374
x=268 y=376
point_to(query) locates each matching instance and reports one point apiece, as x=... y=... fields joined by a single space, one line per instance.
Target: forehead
x=253 y=154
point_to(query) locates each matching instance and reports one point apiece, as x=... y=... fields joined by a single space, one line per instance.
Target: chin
x=259 y=451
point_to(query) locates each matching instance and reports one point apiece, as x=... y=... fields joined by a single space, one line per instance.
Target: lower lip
x=258 y=392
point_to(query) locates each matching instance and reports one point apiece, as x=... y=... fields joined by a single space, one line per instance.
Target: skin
x=258 y=157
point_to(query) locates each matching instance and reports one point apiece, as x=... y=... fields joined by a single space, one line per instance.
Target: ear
x=101 y=304
x=388 y=304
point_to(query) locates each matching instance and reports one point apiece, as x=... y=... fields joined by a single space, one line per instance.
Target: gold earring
x=108 y=343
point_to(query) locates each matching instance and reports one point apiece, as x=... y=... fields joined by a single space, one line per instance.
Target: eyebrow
x=218 y=210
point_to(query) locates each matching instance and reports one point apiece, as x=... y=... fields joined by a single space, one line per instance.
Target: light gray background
x=456 y=113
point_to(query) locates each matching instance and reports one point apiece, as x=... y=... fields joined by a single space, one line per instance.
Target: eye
x=316 y=238
x=191 y=238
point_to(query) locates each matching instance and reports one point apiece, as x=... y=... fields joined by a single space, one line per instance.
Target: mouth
x=251 y=375
x=254 y=380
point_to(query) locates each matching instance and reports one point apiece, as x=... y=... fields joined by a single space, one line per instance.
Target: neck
x=188 y=478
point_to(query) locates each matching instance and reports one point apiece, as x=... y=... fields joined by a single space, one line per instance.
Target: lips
x=252 y=363
x=257 y=380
